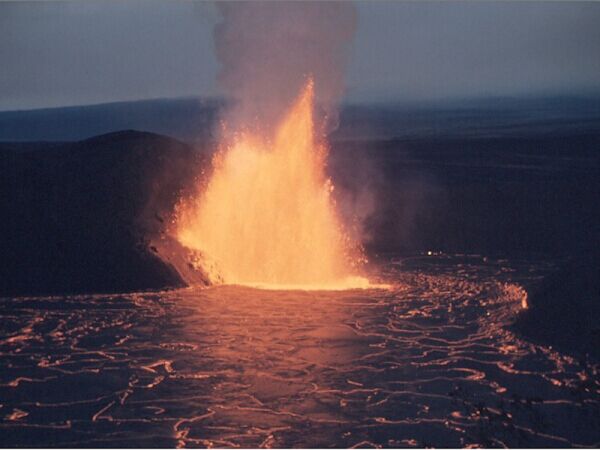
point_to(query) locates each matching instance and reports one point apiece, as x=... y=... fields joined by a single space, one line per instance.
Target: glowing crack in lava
x=267 y=217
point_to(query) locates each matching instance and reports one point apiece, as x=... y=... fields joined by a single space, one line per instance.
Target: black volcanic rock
x=81 y=215
x=564 y=310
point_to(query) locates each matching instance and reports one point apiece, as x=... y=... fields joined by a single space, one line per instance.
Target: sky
x=74 y=53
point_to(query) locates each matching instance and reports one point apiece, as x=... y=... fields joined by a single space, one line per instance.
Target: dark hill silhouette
x=81 y=215
x=183 y=118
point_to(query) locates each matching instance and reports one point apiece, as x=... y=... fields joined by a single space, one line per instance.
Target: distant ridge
x=194 y=119
x=182 y=118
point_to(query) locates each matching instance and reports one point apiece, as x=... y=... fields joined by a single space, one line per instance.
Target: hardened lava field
x=431 y=361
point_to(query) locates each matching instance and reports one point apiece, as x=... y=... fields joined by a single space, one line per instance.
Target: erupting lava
x=267 y=216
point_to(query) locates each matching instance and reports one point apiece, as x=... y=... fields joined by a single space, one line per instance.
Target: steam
x=267 y=50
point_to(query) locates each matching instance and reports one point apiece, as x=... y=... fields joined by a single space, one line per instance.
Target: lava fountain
x=267 y=216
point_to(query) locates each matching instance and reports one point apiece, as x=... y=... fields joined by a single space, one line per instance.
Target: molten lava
x=267 y=216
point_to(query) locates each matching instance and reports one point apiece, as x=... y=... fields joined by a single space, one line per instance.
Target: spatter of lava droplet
x=267 y=216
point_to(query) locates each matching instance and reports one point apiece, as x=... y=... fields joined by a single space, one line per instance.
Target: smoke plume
x=268 y=49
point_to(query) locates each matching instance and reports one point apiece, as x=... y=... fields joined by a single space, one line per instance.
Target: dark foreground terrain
x=433 y=361
x=82 y=216
x=489 y=335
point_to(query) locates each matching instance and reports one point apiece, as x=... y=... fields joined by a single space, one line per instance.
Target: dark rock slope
x=81 y=216
x=564 y=310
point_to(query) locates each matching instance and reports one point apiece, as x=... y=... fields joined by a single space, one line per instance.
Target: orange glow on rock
x=267 y=217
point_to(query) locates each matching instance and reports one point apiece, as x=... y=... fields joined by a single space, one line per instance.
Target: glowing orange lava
x=267 y=217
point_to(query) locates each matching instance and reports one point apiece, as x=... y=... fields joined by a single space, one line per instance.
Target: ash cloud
x=267 y=50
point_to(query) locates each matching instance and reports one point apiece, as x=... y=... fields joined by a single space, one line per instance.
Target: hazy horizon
x=60 y=54
x=454 y=101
